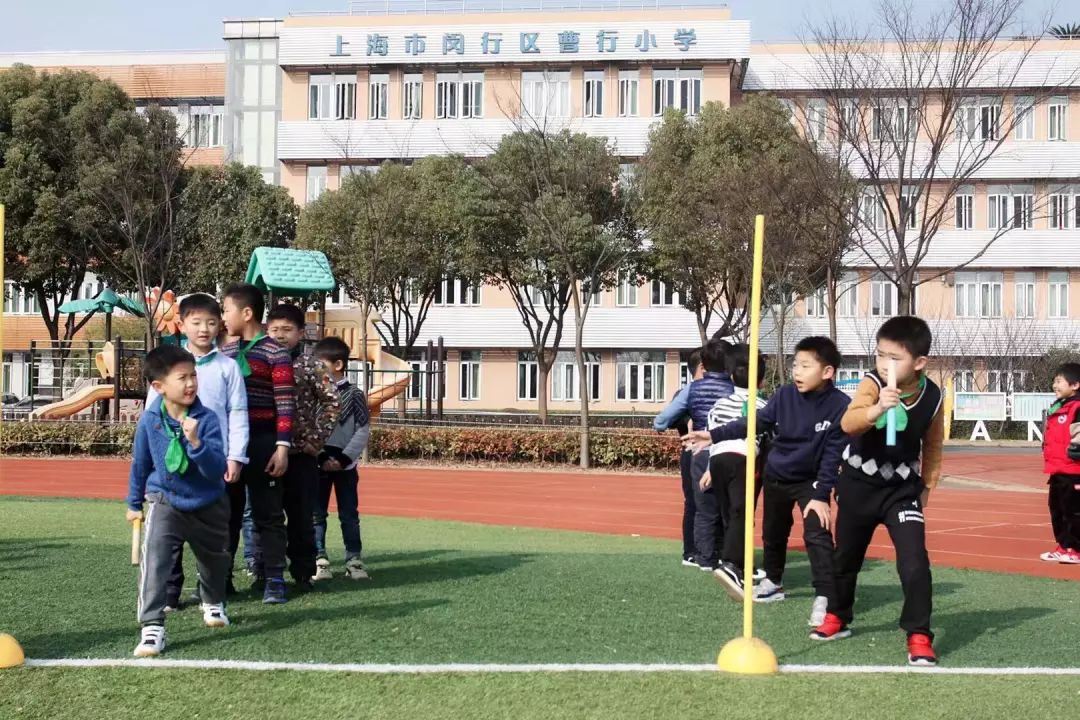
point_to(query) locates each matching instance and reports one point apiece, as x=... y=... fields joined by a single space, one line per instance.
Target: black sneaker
x=304 y=585
x=230 y=589
x=730 y=577
x=274 y=592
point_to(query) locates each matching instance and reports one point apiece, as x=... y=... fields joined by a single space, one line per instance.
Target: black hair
x=288 y=313
x=161 y=360
x=332 y=349
x=738 y=365
x=694 y=361
x=245 y=295
x=823 y=349
x=1070 y=371
x=714 y=355
x=199 y=302
x=909 y=332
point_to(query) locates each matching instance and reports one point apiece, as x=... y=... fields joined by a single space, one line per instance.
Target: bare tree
x=921 y=104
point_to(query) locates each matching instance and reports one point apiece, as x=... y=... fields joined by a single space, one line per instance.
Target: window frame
x=593 y=93
x=637 y=370
x=378 y=96
x=412 y=96
x=467 y=367
x=629 y=92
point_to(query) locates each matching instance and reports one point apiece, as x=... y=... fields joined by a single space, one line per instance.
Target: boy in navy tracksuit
x=701 y=395
x=178 y=466
x=802 y=467
x=1061 y=460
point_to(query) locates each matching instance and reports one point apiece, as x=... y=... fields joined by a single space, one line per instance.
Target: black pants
x=729 y=481
x=708 y=522
x=862 y=507
x=780 y=500
x=301 y=486
x=267 y=513
x=1064 y=502
x=689 y=508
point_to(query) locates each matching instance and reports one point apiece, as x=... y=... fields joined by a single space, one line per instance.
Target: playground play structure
x=303 y=275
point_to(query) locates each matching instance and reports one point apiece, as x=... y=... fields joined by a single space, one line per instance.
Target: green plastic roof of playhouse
x=284 y=271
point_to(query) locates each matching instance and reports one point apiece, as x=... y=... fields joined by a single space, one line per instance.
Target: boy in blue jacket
x=803 y=464
x=178 y=467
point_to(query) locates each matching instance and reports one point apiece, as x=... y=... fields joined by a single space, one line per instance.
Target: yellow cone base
x=11 y=653
x=747 y=656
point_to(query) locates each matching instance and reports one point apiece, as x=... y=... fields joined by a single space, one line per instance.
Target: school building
x=313 y=98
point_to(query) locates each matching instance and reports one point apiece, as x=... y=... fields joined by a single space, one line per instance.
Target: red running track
x=969 y=528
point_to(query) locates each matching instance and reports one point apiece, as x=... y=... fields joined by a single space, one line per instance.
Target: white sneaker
x=152 y=643
x=356 y=570
x=767 y=592
x=759 y=574
x=322 y=570
x=214 y=615
x=817 y=613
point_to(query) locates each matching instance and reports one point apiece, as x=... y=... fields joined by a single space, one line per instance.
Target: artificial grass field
x=453 y=592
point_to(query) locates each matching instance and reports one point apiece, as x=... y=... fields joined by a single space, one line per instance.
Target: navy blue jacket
x=703 y=394
x=204 y=481
x=808 y=443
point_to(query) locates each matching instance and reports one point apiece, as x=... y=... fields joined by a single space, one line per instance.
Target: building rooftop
x=461 y=7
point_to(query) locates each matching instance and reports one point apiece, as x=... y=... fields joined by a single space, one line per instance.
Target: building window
x=456 y=291
x=1058 y=109
x=1025 y=118
x=332 y=97
x=412 y=96
x=527 y=376
x=316 y=182
x=847 y=295
x=1058 y=307
x=594 y=93
x=1005 y=381
x=679 y=89
x=1060 y=211
x=908 y=206
x=850 y=119
x=459 y=95
x=815 y=304
x=378 y=96
x=470 y=375
x=628 y=93
x=565 y=384
x=1025 y=294
x=626 y=292
x=893 y=121
x=1010 y=210
x=873 y=211
x=965 y=214
x=815 y=120
x=978 y=120
x=545 y=94
x=206 y=126
x=883 y=296
x=978 y=294
x=18 y=301
x=664 y=295
x=640 y=376
x=964 y=381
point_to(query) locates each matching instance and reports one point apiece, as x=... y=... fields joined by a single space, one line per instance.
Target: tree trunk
x=365 y=310
x=830 y=301
x=543 y=369
x=583 y=380
x=781 y=365
x=905 y=295
x=703 y=330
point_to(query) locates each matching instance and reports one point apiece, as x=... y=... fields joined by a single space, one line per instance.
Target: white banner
x=979 y=406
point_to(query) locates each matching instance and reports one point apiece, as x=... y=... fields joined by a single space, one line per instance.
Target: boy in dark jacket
x=178 y=466
x=801 y=469
x=1061 y=461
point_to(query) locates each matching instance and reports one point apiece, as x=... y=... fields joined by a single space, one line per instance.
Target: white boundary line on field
x=475 y=668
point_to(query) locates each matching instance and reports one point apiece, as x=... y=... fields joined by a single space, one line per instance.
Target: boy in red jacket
x=1061 y=461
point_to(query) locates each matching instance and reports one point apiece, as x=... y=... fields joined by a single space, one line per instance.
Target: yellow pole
x=947 y=409
x=748 y=655
x=3 y=288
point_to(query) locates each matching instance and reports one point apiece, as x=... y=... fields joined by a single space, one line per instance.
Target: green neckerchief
x=241 y=355
x=176 y=460
x=207 y=358
x=746 y=404
x=1057 y=406
x=901 y=411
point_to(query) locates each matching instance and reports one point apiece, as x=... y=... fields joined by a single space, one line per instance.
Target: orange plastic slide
x=393 y=374
x=73 y=403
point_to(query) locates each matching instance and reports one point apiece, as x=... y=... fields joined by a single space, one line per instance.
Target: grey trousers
x=206 y=531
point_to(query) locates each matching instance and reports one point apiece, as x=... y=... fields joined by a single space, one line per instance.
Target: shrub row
x=609 y=449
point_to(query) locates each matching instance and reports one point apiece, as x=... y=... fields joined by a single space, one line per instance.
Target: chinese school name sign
x=645 y=42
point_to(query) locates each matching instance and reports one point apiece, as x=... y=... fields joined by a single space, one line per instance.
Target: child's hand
x=232 y=473
x=191 y=431
x=706 y=480
x=279 y=462
x=133 y=515
x=822 y=510
x=888 y=398
x=696 y=436
x=331 y=465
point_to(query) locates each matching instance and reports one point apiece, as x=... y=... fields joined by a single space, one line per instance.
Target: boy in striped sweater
x=268 y=378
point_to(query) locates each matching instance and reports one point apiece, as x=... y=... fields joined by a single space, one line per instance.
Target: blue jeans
x=343 y=483
x=249 y=529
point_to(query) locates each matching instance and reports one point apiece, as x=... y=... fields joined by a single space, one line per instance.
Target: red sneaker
x=832 y=629
x=920 y=650
x=1069 y=557
x=1054 y=555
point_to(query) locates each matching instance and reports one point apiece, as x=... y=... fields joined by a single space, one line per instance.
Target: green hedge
x=609 y=449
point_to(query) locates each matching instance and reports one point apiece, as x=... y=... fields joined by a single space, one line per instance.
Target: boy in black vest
x=883 y=484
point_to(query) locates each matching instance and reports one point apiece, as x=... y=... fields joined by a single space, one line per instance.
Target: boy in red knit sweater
x=268 y=377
